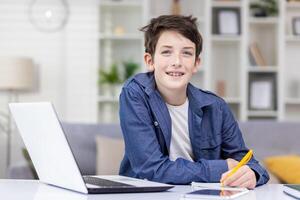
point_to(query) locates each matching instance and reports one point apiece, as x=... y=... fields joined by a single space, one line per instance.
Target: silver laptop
x=53 y=159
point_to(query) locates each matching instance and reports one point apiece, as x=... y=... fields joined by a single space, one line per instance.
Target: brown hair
x=185 y=25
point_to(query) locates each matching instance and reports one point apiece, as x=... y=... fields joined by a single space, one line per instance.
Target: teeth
x=175 y=73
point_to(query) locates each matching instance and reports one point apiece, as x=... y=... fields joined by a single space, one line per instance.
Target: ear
x=149 y=62
x=197 y=65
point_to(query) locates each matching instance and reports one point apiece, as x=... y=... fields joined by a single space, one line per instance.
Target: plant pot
x=260 y=13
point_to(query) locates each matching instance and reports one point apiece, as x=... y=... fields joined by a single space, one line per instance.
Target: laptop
x=54 y=161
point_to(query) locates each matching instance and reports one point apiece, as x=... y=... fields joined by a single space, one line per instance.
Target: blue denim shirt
x=146 y=126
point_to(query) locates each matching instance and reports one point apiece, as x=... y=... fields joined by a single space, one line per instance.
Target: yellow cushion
x=286 y=168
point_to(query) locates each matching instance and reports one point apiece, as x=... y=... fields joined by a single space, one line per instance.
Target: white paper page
x=197 y=185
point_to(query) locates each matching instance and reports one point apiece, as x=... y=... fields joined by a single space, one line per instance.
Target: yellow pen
x=244 y=161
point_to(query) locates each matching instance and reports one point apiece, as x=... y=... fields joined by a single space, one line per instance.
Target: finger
x=246 y=173
x=248 y=179
x=224 y=175
x=233 y=177
x=248 y=184
x=239 y=173
x=242 y=179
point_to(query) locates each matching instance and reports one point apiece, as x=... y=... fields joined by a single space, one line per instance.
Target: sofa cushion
x=110 y=152
x=286 y=168
x=271 y=138
x=82 y=139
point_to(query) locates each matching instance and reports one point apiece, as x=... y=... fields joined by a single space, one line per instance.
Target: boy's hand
x=231 y=163
x=243 y=177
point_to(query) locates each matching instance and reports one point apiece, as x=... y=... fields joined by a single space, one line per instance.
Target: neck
x=173 y=97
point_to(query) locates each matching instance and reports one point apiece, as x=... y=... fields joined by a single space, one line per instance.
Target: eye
x=166 y=52
x=187 y=53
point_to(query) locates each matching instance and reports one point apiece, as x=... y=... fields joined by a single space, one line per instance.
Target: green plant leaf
x=130 y=68
x=110 y=77
x=270 y=7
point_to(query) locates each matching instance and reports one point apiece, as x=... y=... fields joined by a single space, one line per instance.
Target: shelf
x=232 y=100
x=263 y=69
x=226 y=38
x=292 y=38
x=263 y=20
x=262 y=113
x=104 y=99
x=292 y=101
x=293 y=5
x=120 y=37
x=227 y=4
x=114 y=4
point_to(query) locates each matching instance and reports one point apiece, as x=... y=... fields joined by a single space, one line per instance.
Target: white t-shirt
x=180 y=146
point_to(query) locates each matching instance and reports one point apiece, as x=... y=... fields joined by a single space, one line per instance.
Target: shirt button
x=155 y=123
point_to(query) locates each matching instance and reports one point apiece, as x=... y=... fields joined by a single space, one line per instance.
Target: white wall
x=66 y=62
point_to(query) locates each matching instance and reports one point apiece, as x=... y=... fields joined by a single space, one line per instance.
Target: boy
x=173 y=132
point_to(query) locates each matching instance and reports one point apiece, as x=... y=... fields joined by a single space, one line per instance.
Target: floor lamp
x=16 y=75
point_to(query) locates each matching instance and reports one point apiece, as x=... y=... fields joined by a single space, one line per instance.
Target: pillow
x=286 y=168
x=110 y=152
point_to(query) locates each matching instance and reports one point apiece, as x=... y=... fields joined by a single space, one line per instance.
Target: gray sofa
x=82 y=139
x=266 y=138
x=270 y=138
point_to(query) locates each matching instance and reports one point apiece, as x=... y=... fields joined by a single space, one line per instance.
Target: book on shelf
x=292 y=190
x=256 y=57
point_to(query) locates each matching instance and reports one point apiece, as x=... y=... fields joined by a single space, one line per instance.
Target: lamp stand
x=12 y=97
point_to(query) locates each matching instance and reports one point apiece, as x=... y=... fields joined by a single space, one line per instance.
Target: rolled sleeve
x=261 y=174
x=216 y=169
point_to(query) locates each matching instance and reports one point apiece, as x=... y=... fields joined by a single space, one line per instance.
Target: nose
x=177 y=61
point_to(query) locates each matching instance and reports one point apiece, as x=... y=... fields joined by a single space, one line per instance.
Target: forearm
x=181 y=171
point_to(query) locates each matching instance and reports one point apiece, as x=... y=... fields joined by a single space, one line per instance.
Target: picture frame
x=262 y=95
x=226 y=21
x=296 y=25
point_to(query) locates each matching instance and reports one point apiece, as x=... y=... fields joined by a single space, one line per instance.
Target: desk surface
x=32 y=189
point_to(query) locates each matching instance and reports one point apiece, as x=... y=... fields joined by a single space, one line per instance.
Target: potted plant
x=130 y=68
x=264 y=8
x=109 y=80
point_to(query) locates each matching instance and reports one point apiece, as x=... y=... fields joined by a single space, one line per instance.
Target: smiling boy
x=174 y=132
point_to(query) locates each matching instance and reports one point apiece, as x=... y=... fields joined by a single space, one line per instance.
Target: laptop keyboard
x=103 y=182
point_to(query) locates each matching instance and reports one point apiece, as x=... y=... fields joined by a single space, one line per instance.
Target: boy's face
x=174 y=61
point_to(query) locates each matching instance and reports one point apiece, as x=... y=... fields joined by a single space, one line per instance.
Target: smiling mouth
x=175 y=74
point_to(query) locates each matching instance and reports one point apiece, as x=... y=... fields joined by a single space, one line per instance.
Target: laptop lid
x=47 y=145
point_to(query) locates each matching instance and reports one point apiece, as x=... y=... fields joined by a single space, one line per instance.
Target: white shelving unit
x=225 y=58
x=266 y=33
x=119 y=41
x=291 y=72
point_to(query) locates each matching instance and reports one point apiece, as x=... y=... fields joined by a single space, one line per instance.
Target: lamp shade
x=16 y=73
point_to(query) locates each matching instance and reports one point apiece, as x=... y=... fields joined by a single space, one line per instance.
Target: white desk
x=32 y=189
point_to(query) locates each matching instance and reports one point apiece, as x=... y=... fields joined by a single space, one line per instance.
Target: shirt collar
x=147 y=81
x=197 y=97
